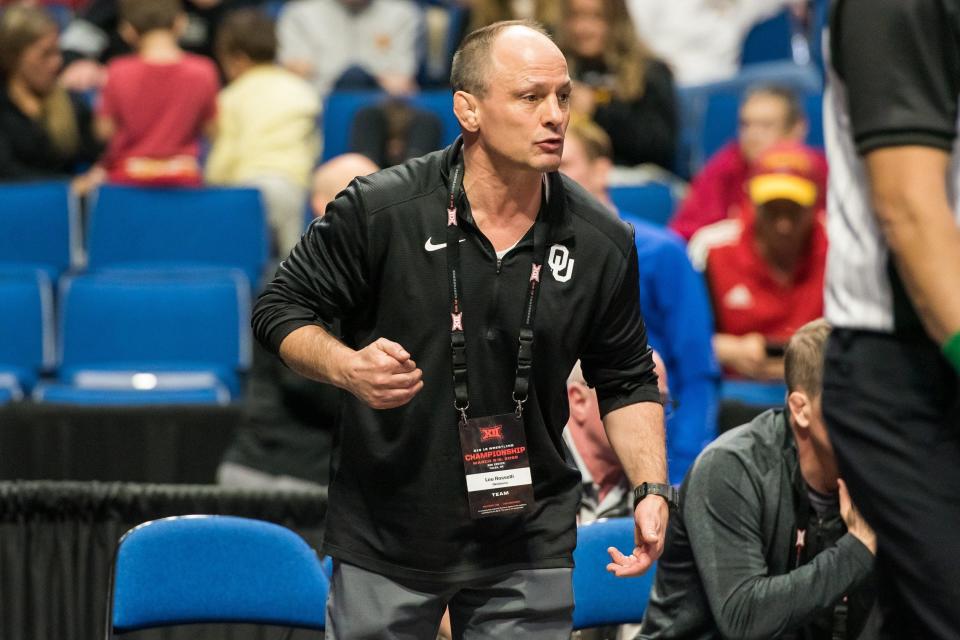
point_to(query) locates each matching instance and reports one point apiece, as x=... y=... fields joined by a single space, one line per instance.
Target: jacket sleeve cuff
x=645 y=393
x=282 y=330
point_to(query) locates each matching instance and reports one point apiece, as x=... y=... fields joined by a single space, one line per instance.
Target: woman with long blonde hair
x=44 y=131
x=619 y=83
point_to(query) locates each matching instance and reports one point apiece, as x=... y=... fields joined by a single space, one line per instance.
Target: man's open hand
x=650 y=518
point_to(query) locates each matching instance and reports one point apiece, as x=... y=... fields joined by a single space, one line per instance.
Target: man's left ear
x=800 y=408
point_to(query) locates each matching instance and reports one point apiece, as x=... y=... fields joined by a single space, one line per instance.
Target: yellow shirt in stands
x=266 y=125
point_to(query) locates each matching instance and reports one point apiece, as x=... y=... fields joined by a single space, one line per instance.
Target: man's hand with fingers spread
x=383 y=375
x=651 y=516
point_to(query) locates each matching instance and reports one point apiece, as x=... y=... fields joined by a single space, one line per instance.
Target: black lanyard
x=458 y=343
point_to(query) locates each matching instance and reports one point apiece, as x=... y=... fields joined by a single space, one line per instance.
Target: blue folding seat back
x=136 y=227
x=651 y=201
x=26 y=328
x=600 y=598
x=770 y=40
x=38 y=226
x=157 y=322
x=341 y=107
x=195 y=569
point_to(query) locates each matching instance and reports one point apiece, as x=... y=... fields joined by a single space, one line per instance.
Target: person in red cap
x=764 y=270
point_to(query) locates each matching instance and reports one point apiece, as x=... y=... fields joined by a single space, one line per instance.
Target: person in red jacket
x=769 y=115
x=765 y=269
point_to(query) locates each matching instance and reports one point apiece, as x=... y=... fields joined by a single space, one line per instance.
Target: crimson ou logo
x=560 y=263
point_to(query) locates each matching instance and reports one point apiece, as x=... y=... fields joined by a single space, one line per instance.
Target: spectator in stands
x=766 y=543
x=765 y=270
x=157 y=103
x=332 y=177
x=44 y=131
x=93 y=37
x=352 y=44
x=266 y=134
x=769 y=115
x=285 y=434
x=675 y=304
x=701 y=40
x=618 y=82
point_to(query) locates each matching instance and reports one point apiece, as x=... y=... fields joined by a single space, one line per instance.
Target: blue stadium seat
x=204 y=568
x=752 y=392
x=769 y=40
x=148 y=338
x=341 y=106
x=26 y=330
x=150 y=228
x=721 y=120
x=600 y=598
x=651 y=201
x=38 y=226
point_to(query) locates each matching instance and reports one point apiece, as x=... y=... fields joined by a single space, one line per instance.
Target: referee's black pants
x=892 y=407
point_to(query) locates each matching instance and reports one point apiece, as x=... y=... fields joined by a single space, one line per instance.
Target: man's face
x=763 y=123
x=577 y=166
x=783 y=226
x=525 y=111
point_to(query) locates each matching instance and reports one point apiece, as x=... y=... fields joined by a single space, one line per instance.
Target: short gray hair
x=471 y=62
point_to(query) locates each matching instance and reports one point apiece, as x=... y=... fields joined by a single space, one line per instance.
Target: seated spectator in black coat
x=45 y=133
x=618 y=82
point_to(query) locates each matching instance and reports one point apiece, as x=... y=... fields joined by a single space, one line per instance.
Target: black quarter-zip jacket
x=397 y=499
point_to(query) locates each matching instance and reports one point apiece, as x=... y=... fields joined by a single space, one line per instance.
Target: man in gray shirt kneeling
x=767 y=543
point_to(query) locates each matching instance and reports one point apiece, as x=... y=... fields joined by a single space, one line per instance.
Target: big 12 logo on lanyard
x=496 y=465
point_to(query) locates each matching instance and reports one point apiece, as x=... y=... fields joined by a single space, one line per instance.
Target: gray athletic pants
x=534 y=603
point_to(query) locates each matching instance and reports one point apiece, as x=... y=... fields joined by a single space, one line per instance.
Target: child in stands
x=157 y=103
x=266 y=124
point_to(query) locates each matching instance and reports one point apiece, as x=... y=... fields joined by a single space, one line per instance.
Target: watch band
x=666 y=491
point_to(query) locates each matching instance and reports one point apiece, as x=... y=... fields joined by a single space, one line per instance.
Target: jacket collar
x=556 y=212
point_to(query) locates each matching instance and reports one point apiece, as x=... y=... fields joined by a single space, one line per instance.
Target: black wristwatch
x=666 y=491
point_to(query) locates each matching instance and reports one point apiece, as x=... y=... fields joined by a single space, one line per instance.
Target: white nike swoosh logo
x=430 y=246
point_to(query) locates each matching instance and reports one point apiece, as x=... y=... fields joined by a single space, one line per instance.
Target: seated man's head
x=588 y=157
x=586 y=427
x=803 y=363
x=769 y=115
x=784 y=192
x=334 y=175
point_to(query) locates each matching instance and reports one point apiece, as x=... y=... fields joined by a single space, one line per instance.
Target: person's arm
x=619 y=364
x=325 y=277
x=295 y=44
x=747 y=355
x=722 y=509
x=904 y=125
x=224 y=152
